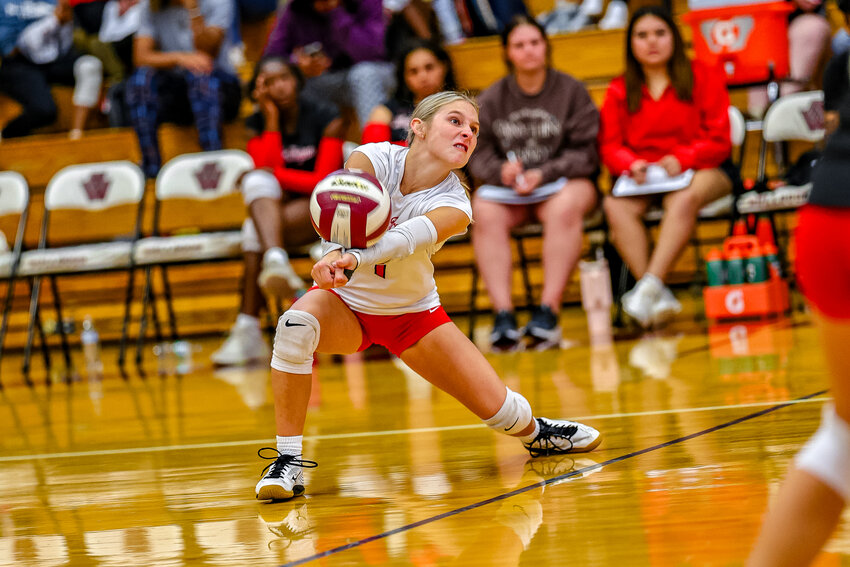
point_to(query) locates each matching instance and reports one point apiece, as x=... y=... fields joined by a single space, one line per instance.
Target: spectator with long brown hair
x=671 y=112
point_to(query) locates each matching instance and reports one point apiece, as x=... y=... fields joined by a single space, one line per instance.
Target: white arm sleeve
x=328 y=247
x=399 y=242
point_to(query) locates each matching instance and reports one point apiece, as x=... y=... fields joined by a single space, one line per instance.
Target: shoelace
x=547 y=431
x=280 y=462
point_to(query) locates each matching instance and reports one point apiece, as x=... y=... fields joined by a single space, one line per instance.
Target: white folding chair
x=189 y=181
x=14 y=206
x=794 y=117
x=112 y=193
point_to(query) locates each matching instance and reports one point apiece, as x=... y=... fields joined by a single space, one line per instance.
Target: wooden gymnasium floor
x=700 y=425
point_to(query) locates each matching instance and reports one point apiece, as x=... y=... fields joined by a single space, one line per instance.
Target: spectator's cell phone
x=313 y=49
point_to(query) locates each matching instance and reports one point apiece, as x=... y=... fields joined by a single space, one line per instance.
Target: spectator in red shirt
x=669 y=111
x=423 y=68
x=296 y=142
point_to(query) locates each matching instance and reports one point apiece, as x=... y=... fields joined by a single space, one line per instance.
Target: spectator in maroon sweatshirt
x=536 y=157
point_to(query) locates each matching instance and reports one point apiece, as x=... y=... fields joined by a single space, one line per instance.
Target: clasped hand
x=328 y=272
x=670 y=163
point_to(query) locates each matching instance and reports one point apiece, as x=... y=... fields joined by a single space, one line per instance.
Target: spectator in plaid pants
x=182 y=73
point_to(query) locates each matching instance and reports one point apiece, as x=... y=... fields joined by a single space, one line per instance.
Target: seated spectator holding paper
x=536 y=156
x=666 y=116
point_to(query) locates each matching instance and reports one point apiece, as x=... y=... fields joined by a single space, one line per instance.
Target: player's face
x=423 y=73
x=281 y=84
x=526 y=49
x=652 y=41
x=453 y=133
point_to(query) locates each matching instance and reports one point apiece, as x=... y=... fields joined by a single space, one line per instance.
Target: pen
x=511 y=155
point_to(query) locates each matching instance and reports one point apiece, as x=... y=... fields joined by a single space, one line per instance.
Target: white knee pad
x=250 y=238
x=295 y=342
x=259 y=184
x=88 y=76
x=827 y=453
x=514 y=415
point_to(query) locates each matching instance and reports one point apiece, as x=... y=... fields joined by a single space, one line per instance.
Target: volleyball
x=350 y=208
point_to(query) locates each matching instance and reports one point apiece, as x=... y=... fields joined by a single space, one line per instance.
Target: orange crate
x=743 y=39
x=746 y=300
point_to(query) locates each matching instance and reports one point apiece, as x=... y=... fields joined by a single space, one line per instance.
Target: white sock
x=290 y=445
x=276 y=254
x=245 y=320
x=530 y=437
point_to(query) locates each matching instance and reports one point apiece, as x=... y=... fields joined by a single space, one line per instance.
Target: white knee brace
x=250 y=238
x=827 y=454
x=88 y=76
x=514 y=415
x=295 y=342
x=258 y=184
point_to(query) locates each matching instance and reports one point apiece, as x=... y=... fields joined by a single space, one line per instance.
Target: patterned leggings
x=156 y=96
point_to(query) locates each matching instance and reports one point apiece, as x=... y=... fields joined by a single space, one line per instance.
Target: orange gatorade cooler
x=746 y=40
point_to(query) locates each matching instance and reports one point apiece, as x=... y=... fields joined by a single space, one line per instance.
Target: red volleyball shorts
x=398 y=332
x=823 y=258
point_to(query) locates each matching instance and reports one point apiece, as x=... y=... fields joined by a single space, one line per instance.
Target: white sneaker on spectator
x=277 y=277
x=665 y=308
x=244 y=345
x=638 y=302
x=591 y=8
x=616 y=16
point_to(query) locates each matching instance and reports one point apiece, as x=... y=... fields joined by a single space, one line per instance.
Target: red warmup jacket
x=696 y=132
x=267 y=151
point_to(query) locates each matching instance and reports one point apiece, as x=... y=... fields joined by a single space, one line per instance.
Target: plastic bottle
x=771 y=257
x=740 y=228
x=764 y=231
x=735 y=268
x=90 y=340
x=755 y=266
x=715 y=267
x=596 y=294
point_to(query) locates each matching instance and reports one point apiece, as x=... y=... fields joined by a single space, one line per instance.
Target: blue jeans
x=176 y=95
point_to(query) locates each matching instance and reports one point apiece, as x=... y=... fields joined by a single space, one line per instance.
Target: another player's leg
x=318 y=321
x=810 y=501
x=449 y=360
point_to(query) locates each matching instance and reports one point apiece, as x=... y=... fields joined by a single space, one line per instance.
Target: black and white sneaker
x=505 y=333
x=284 y=478
x=543 y=326
x=558 y=436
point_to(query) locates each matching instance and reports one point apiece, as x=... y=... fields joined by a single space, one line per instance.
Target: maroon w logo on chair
x=96 y=186
x=209 y=176
x=814 y=115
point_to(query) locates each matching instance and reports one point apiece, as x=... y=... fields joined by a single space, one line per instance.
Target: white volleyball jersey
x=406 y=285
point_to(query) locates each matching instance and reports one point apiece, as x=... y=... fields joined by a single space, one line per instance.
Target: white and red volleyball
x=350 y=208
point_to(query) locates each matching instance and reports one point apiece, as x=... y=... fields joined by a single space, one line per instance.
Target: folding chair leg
x=621 y=291
x=125 y=322
x=7 y=308
x=154 y=307
x=57 y=303
x=143 y=320
x=35 y=290
x=526 y=279
x=166 y=290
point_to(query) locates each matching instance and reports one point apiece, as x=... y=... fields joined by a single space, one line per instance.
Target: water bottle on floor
x=596 y=294
x=90 y=340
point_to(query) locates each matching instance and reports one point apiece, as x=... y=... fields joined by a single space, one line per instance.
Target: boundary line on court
x=552 y=480
x=221 y=444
